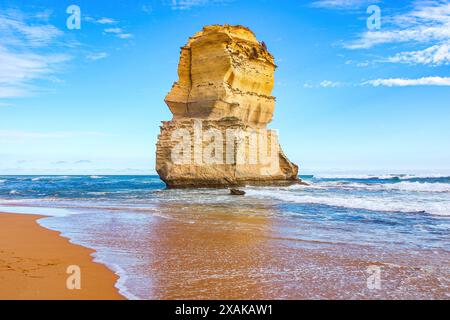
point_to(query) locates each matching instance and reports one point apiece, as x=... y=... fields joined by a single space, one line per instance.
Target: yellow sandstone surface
x=226 y=77
x=224 y=72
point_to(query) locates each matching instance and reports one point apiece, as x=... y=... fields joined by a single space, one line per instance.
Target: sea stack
x=221 y=105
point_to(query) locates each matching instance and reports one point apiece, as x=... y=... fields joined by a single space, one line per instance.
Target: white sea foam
x=13 y=192
x=51 y=212
x=402 y=186
x=36 y=179
x=417 y=186
x=95 y=177
x=100 y=257
x=381 y=176
x=1 y=181
x=95 y=193
x=121 y=273
x=352 y=201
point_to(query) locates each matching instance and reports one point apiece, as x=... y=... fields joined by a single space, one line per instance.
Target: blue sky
x=349 y=98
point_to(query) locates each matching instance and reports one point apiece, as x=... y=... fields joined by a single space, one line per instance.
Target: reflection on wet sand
x=204 y=252
x=210 y=255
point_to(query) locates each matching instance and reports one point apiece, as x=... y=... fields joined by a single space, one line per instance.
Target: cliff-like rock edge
x=221 y=105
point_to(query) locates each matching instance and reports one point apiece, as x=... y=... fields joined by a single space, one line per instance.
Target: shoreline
x=34 y=262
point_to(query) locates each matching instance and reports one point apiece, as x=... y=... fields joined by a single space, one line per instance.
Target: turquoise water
x=395 y=220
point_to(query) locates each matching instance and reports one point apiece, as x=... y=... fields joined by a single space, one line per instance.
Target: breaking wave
x=401 y=186
x=371 y=203
x=381 y=176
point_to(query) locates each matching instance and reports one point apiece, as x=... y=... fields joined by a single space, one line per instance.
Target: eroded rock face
x=224 y=72
x=221 y=105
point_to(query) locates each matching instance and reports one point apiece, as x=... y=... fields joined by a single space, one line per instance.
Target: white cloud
x=147 y=8
x=96 y=56
x=341 y=4
x=21 y=57
x=326 y=84
x=436 y=55
x=427 y=22
x=125 y=35
x=12 y=92
x=24 y=54
x=13 y=134
x=113 y=30
x=82 y=161
x=188 y=4
x=330 y=84
x=106 y=21
x=16 y=31
x=401 y=82
x=119 y=33
x=18 y=69
x=44 y=15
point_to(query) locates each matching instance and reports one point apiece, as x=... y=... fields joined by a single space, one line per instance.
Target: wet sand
x=195 y=261
x=205 y=252
x=34 y=261
x=249 y=257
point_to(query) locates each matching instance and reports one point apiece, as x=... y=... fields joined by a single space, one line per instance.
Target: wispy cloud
x=59 y=162
x=16 y=29
x=14 y=134
x=106 y=21
x=341 y=4
x=327 y=84
x=360 y=64
x=188 y=4
x=330 y=84
x=427 y=22
x=119 y=32
x=17 y=69
x=102 y=20
x=147 y=8
x=113 y=30
x=97 y=56
x=125 y=35
x=401 y=82
x=116 y=30
x=21 y=57
x=388 y=82
x=82 y=161
x=436 y=55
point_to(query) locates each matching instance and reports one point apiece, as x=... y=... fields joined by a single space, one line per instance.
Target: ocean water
x=316 y=241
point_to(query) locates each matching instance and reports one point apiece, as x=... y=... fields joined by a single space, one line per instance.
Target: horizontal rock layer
x=220 y=153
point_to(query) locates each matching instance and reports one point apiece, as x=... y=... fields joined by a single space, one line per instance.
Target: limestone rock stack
x=221 y=105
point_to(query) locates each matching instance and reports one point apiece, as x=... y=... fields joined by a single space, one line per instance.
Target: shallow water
x=313 y=241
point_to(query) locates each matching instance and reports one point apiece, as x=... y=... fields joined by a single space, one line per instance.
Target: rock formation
x=221 y=105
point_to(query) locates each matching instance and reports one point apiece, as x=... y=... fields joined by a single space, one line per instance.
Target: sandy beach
x=34 y=261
